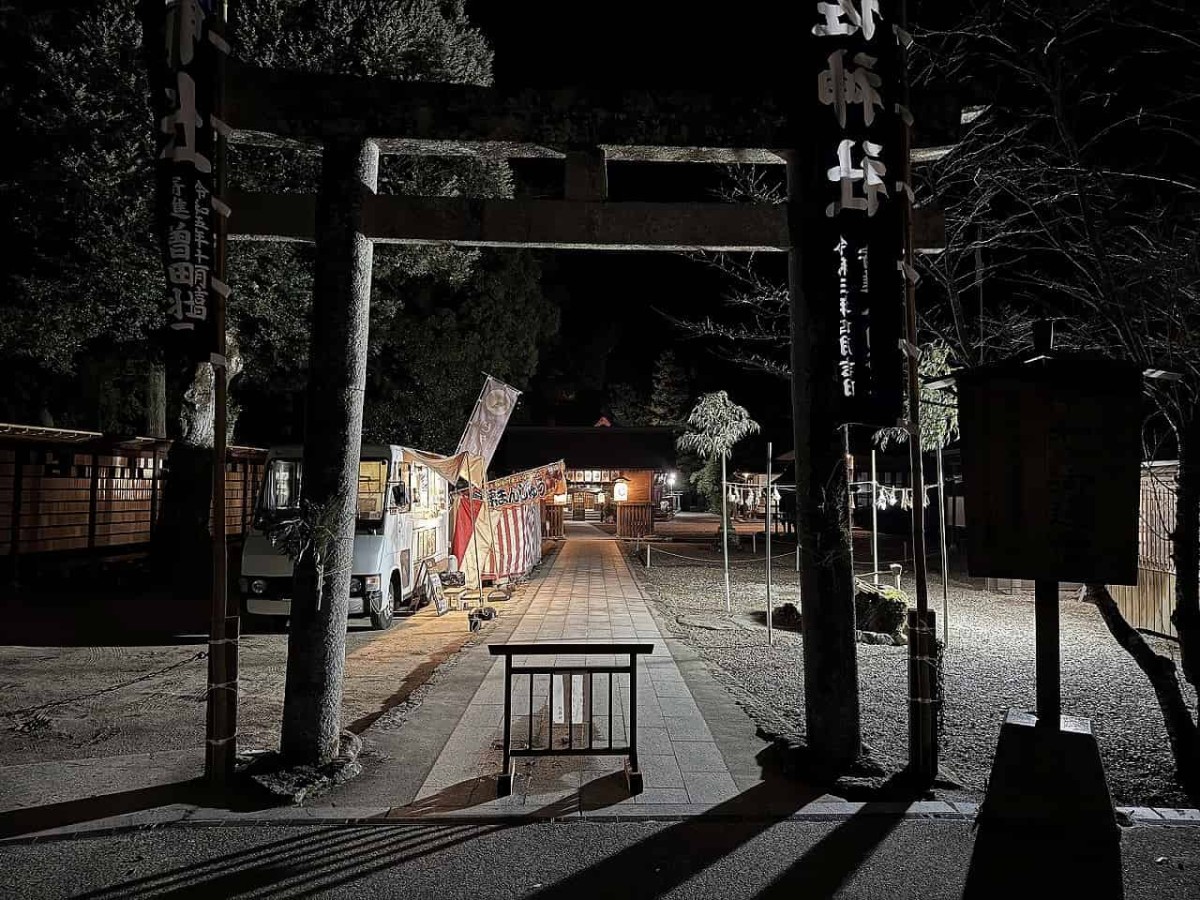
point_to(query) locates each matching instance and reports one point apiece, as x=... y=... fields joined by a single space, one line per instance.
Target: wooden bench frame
x=559 y=648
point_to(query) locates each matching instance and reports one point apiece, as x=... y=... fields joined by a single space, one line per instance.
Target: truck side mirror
x=399 y=495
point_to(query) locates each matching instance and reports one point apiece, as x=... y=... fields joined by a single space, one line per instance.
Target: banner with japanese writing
x=186 y=81
x=531 y=485
x=854 y=236
x=495 y=404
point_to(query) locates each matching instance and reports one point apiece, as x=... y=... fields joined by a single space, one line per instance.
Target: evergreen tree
x=669 y=393
x=628 y=405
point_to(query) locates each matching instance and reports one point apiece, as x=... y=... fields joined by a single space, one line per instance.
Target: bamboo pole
x=874 y=519
x=725 y=533
x=770 y=632
x=941 y=474
x=922 y=739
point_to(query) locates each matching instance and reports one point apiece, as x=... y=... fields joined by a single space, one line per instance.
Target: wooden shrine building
x=615 y=476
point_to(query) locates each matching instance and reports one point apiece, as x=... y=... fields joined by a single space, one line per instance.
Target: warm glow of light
x=621 y=491
x=560 y=499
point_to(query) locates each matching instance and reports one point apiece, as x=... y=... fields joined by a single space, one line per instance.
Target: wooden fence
x=635 y=519
x=1148 y=605
x=80 y=493
x=552 y=520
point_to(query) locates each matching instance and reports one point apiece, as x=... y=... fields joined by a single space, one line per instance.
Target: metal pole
x=725 y=534
x=874 y=519
x=770 y=632
x=475 y=526
x=1049 y=695
x=221 y=743
x=922 y=752
x=941 y=474
x=647 y=554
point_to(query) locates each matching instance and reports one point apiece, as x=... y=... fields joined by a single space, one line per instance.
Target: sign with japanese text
x=488 y=419
x=855 y=223
x=541 y=483
x=185 y=176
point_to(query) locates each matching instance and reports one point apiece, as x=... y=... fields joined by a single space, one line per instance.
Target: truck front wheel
x=382 y=620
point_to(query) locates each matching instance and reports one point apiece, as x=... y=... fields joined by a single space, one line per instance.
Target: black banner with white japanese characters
x=186 y=82
x=856 y=234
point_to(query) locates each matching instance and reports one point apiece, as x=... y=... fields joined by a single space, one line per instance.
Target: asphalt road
x=861 y=857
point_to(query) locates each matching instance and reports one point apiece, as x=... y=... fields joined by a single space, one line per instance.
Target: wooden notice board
x=431 y=584
x=1051 y=453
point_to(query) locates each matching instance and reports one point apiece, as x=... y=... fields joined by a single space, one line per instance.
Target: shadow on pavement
x=245 y=797
x=455 y=797
x=1022 y=859
x=677 y=853
x=301 y=866
x=411 y=682
x=99 y=617
x=826 y=866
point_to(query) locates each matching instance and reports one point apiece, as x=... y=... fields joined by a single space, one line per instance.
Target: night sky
x=611 y=331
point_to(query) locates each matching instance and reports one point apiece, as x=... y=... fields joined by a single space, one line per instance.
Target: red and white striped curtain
x=518 y=540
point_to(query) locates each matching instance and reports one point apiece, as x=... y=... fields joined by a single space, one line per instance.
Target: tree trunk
x=332 y=444
x=1182 y=732
x=1185 y=550
x=822 y=515
x=182 y=548
x=181 y=551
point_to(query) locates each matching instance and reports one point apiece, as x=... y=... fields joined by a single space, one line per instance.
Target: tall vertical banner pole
x=475 y=532
x=725 y=533
x=770 y=632
x=874 y=519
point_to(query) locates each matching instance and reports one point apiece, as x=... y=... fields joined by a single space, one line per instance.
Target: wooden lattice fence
x=82 y=494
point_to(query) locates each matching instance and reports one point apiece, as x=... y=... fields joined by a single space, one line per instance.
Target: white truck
x=402 y=521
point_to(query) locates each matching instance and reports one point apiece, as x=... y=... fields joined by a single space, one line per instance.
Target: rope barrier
x=116 y=687
x=717 y=562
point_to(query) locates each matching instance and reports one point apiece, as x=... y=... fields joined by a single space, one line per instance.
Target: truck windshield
x=281 y=491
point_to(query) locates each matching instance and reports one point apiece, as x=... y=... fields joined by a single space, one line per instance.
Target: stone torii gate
x=352 y=120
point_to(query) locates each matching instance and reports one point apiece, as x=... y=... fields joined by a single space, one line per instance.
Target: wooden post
x=919 y=764
x=770 y=625
x=922 y=719
x=827 y=579
x=1049 y=692
x=93 y=500
x=154 y=485
x=247 y=503
x=221 y=745
x=20 y=457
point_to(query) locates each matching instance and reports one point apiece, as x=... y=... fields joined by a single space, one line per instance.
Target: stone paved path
x=588 y=595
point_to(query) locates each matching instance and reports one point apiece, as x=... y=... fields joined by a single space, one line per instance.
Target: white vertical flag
x=492 y=409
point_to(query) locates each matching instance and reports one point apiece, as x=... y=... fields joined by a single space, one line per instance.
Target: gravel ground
x=72 y=702
x=989 y=668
